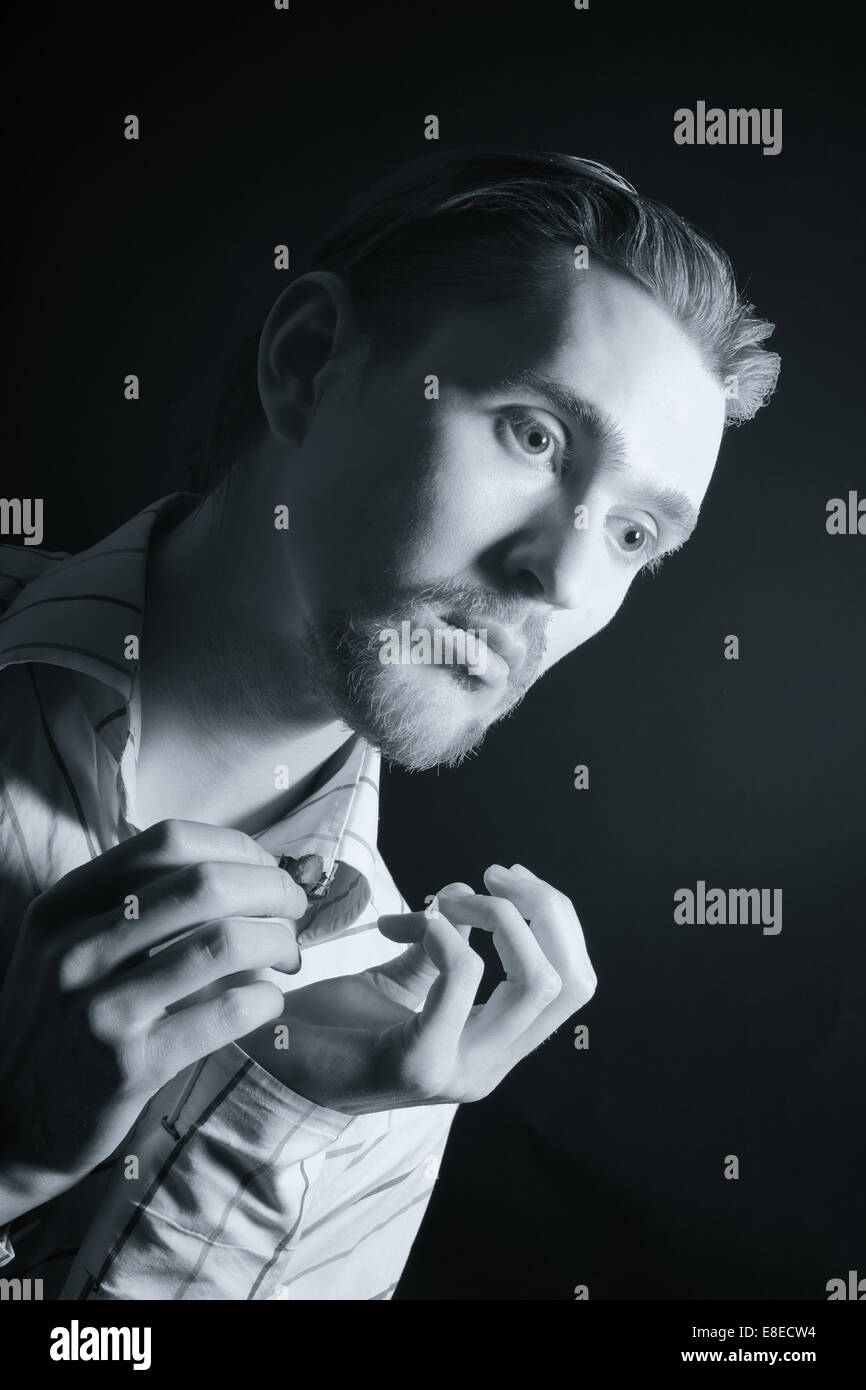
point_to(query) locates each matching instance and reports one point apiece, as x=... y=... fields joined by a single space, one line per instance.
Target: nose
x=555 y=562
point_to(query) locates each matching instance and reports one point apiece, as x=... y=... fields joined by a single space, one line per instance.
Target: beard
x=417 y=726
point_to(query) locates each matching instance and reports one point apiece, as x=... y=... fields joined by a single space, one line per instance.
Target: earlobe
x=310 y=334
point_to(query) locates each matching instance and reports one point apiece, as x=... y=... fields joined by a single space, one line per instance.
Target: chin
x=422 y=750
x=417 y=716
x=417 y=733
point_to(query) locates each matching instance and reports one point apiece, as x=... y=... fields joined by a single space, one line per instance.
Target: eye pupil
x=537 y=439
x=634 y=536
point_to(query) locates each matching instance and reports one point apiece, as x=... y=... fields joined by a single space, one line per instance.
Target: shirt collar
x=80 y=612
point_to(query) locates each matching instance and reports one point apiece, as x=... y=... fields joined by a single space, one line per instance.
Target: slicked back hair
x=468 y=228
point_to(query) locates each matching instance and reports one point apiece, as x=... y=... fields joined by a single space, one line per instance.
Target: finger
x=530 y=984
x=452 y=994
x=515 y=943
x=173 y=905
x=461 y=890
x=556 y=926
x=553 y=920
x=530 y=981
x=403 y=926
x=411 y=928
x=167 y=845
x=412 y=970
x=211 y=953
x=201 y=1028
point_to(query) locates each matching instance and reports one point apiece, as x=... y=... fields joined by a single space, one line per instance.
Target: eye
x=533 y=437
x=632 y=538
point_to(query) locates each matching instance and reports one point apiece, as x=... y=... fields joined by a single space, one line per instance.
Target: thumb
x=413 y=969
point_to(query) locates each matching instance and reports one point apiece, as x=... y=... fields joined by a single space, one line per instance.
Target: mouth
x=500 y=656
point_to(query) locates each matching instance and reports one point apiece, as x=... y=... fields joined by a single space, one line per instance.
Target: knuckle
x=583 y=988
x=234 y=1010
x=545 y=985
x=202 y=880
x=555 y=896
x=73 y=966
x=554 y=901
x=159 y=1059
x=244 y=846
x=219 y=946
x=128 y=1062
x=501 y=910
x=166 y=836
x=102 y=1017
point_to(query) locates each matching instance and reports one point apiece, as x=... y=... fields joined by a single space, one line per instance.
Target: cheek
x=455 y=500
x=462 y=469
x=368 y=508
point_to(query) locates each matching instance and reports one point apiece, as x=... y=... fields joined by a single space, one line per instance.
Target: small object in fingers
x=309 y=873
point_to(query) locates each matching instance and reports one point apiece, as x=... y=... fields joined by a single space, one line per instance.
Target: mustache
x=467 y=604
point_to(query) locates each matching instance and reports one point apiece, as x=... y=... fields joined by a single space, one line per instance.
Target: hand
x=356 y=1043
x=97 y=1012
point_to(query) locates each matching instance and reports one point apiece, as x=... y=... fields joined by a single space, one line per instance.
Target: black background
x=601 y=1167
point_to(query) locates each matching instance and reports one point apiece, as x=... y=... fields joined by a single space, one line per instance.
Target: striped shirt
x=242 y=1189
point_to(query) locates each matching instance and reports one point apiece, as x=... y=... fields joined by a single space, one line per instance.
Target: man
x=497 y=397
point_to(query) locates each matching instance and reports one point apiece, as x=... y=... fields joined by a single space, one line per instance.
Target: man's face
x=464 y=512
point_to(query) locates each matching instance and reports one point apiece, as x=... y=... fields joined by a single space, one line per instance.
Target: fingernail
x=457 y=888
x=521 y=869
x=499 y=871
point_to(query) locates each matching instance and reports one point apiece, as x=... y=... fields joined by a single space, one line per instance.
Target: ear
x=311 y=339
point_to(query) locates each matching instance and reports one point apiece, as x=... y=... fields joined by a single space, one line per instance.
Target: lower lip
x=496 y=670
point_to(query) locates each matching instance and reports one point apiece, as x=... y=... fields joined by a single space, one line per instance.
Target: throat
x=239 y=783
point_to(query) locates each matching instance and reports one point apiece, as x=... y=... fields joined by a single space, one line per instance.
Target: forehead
x=600 y=336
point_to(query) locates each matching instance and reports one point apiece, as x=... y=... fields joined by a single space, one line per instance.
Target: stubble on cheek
x=419 y=718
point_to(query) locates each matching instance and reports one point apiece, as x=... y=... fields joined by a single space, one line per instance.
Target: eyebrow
x=602 y=427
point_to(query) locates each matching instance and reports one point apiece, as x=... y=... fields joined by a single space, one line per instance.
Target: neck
x=229 y=733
